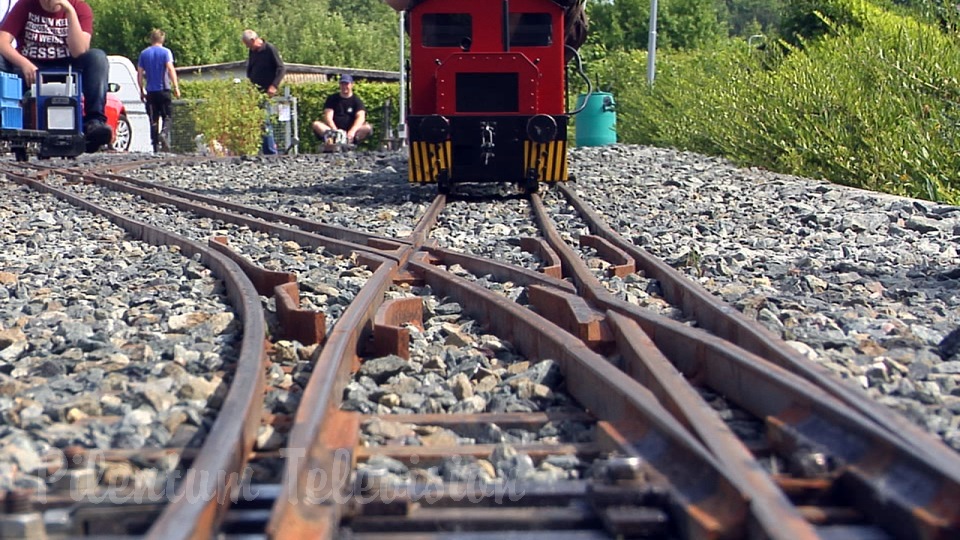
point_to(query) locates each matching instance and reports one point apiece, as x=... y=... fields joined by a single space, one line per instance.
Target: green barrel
x=596 y=124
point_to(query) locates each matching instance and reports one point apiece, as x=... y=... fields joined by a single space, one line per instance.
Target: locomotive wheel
x=20 y=154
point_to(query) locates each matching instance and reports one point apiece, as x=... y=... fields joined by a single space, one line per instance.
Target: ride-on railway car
x=487 y=86
x=49 y=120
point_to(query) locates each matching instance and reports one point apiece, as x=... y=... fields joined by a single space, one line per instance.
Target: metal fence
x=282 y=114
x=281 y=118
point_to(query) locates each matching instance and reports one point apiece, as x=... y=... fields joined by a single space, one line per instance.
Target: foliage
x=197 y=32
x=810 y=19
x=341 y=33
x=748 y=17
x=336 y=33
x=231 y=113
x=227 y=112
x=943 y=13
x=624 y=24
x=876 y=105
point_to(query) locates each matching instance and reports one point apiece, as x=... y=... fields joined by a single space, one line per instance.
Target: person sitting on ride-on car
x=55 y=34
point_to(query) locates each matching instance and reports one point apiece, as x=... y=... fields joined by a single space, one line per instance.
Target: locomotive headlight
x=435 y=129
x=541 y=128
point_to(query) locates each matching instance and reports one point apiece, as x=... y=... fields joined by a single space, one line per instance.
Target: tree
x=624 y=24
x=197 y=32
x=690 y=24
x=314 y=33
x=742 y=14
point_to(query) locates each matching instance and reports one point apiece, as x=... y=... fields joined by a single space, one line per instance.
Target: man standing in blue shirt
x=156 y=76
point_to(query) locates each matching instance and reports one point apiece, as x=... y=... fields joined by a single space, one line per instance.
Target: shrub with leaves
x=874 y=105
x=228 y=112
x=232 y=114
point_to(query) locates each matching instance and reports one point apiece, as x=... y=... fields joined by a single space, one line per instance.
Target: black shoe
x=96 y=134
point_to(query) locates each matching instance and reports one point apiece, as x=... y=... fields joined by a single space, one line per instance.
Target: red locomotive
x=488 y=90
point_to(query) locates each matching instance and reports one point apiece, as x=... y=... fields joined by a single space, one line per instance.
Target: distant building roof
x=296 y=73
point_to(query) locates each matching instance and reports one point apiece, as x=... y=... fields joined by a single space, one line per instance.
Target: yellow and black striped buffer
x=548 y=159
x=427 y=160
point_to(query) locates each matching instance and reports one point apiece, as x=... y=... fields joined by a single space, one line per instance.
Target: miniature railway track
x=701 y=428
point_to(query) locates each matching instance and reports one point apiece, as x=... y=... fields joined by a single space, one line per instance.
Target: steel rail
x=767 y=390
x=502 y=272
x=803 y=420
x=711 y=504
x=331 y=434
x=200 y=501
x=339 y=247
x=323 y=229
x=723 y=494
x=729 y=323
x=326 y=435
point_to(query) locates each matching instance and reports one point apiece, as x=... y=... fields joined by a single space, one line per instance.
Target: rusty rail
x=201 y=500
x=675 y=452
x=798 y=412
x=728 y=323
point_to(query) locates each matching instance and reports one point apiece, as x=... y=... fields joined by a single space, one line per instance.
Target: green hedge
x=874 y=105
x=230 y=112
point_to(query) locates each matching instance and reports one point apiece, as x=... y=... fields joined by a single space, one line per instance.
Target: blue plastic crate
x=11 y=117
x=11 y=86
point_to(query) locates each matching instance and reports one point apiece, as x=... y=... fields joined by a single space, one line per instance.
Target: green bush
x=231 y=113
x=227 y=112
x=809 y=19
x=875 y=106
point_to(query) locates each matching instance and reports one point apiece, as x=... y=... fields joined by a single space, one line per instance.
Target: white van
x=137 y=136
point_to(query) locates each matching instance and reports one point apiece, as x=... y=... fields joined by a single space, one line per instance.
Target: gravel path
x=867 y=285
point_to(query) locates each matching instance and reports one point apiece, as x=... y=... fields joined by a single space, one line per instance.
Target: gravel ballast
x=866 y=285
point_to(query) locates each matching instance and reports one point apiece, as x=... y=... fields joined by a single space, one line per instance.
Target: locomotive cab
x=487 y=81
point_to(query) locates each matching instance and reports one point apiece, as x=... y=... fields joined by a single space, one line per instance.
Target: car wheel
x=123 y=134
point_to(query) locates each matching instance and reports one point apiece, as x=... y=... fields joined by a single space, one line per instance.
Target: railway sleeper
x=306 y=326
x=573 y=314
x=621 y=263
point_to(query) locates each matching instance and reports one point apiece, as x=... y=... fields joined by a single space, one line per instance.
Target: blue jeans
x=268 y=144
x=95 y=68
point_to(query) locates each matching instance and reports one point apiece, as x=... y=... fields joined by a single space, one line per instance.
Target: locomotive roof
x=575 y=16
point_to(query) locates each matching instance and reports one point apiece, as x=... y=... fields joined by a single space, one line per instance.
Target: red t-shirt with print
x=42 y=35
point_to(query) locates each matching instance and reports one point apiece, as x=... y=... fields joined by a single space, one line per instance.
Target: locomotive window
x=488 y=92
x=531 y=29
x=447 y=29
